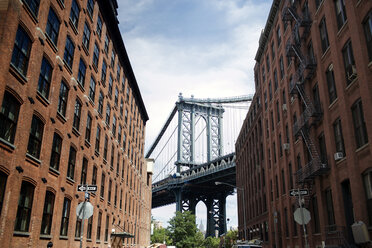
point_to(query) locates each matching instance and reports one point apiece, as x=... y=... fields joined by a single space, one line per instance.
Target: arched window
x=46 y=223
x=23 y=217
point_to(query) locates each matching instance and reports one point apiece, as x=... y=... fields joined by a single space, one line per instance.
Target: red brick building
x=313 y=76
x=71 y=113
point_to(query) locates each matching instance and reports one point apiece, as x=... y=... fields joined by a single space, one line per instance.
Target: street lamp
x=242 y=189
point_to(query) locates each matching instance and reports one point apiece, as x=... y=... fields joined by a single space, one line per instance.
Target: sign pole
x=82 y=221
x=302 y=217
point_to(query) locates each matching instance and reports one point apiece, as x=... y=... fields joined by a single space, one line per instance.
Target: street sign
x=303 y=218
x=297 y=192
x=88 y=188
x=84 y=210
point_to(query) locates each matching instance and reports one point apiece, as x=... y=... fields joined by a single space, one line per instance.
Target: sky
x=204 y=48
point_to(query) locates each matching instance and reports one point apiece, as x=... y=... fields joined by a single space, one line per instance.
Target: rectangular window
x=367 y=25
x=26 y=196
x=36 y=137
x=110 y=86
x=109 y=191
x=9 y=117
x=33 y=6
x=283 y=183
x=340 y=13
x=74 y=14
x=286 y=222
x=360 y=130
x=349 y=62
x=315 y=214
x=329 y=207
x=98 y=138
x=3 y=179
x=107 y=227
x=278 y=36
x=56 y=152
x=275 y=80
x=267 y=63
x=92 y=89
x=98 y=236
x=77 y=115
x=52 y=27
x=116 y=96
x=95 y=55
x=89 y=228
x=106 y=44
x=102 y=190
x=277 y=111
x=71 y=163
x=94 y=175
x=90 y=8
x=281 y=63
x=263 y=74
x=108 y=110
x=112 y=58
x=339 y=140
x=112 y=157
x=332 y=93
x=86 y=36
x=99 y=26
x=272 y=50
x=323 y=34
x=367 y=180
x=81 y=72
x=290 y=176
x=21 y=51
x=62 y=100
x=88 y=128
x=68 y=55
x=65 y=216
x=118 y=72
x=103 y=74
x=45 y=78
x=322 y=149
x=46 y=223
x=114 y=126
x=84 y=169
x=100 y=102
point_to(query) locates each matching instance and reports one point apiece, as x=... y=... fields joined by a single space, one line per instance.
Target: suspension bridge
x=194 y=152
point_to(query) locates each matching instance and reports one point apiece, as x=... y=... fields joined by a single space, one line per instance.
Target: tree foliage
x=160 y=235
x=183 y=231
x=231 y=238
x=211 y=242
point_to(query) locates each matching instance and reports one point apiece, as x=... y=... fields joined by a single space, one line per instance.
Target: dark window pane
x=3 y=179
x=21 y=51
x=81 y=73
x=86 y=36
x=33 y=6
x=360 y=130
x=68 y=55
x=45 y=78
x=62 y=101
x=25 y=201
x=9 y=117
x=36 y=137
x=71 y=163
x=74 y=14
x=99 y=26
x=56 y=151
x=367 y=25
x=46 y=223
x=52 y=27
x=65 y=217
x=77 y=115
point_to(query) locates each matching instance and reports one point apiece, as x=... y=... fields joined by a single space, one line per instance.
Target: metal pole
x=302 y=217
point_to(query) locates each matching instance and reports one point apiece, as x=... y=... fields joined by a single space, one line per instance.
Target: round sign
x=303 y=218
x=84 y=210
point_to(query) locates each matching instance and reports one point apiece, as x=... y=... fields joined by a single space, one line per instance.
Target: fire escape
x=306 y=66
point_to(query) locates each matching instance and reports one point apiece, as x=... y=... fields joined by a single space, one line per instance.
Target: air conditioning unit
x=286 y=146
x=338 y=156
x=284 y=107
x=351 y=72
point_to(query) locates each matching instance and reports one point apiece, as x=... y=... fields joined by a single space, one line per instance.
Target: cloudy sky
x=204 y=48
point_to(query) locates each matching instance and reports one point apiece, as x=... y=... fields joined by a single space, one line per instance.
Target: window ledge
x=341 y=160
x=343 y=27
x=42 y=99
x=87 y=144
x=61 y=117
x=326 y=52
x=45 y=236
x=51 y=43
x=333 y=104
x=63 y=237
x=61 y=4
x=75 y=132
x=21 y=234
x=17 y=74
x=73 y=26
x=54 y=172
x=86 y=49
x=29 y=12
x=77 y=238
x=70 y=181
x=33 y=160
x=7 y=145
x=81 y=86
x=351 y=84
x=370 y=65
x=363 y=147
x=67 y=66
x=98 y=241
x=96 y=153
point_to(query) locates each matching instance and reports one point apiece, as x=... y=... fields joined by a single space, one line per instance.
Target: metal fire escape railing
x=305 y=71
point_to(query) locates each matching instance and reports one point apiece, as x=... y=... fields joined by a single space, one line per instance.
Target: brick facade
x=328 y=121
x=124 y=168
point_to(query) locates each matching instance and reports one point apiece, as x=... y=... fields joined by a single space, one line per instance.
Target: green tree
x=211 y=242
x=183 y=231
x=160 y=235
x=231 y=238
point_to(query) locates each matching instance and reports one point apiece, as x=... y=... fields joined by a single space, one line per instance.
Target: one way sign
x=88 y=188
x=297 y=192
